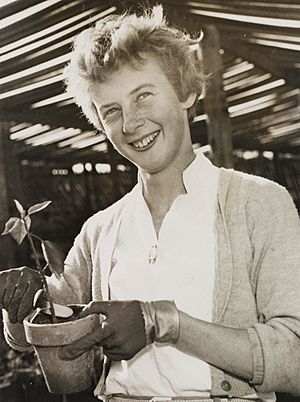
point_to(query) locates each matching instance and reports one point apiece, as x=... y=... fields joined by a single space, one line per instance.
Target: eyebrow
x=132 y=92
x=135 y=90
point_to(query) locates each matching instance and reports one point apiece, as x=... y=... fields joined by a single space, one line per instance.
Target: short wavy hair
x=126 y=39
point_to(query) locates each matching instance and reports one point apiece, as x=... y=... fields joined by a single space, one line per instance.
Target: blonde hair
x=119 y=40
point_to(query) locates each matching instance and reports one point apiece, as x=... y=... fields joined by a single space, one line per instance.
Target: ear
x=189 y=101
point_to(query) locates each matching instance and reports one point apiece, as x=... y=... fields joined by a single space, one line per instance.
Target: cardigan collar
x=224 y=276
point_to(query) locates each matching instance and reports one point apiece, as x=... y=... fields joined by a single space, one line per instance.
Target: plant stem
x=41 y=272
x=36 y=237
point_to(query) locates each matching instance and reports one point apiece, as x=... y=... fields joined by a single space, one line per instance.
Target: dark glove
x=121 y=334
x=17 y=289
x=128 y=327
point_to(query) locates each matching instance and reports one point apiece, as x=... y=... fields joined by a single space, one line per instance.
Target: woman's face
x=143 y=117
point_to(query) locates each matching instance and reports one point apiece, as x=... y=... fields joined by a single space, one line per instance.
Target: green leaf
x=38 y=207
x=54 y=256
x=20 y=208
x=16 y=228
x=9 y=225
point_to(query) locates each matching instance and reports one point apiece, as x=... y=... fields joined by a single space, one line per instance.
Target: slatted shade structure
x=36 y=41
x=259 y=44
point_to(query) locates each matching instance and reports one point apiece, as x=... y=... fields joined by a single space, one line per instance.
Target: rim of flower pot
x=35 y=312
x=58 y=334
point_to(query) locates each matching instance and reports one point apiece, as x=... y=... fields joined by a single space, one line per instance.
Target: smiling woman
x=133 y=106
x=116 y=41
x=196 y=270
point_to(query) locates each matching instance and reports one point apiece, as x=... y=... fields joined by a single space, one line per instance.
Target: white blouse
x=179 y=266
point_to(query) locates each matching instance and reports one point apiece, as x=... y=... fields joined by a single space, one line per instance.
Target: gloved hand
x=17 y=289
x=129 y=326
x=121 y=334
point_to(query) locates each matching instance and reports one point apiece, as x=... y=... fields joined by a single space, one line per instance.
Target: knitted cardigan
x=257 y=277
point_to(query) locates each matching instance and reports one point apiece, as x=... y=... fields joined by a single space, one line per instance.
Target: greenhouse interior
x=248 y=119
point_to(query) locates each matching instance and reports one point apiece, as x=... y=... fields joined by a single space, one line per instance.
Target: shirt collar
x=198 y=177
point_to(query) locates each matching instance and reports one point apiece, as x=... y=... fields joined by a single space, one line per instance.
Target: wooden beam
x=270 y=118
x=69 y=116
x=273 y=91
x=39 y=21
x=255 y=142
x=219 y=129
x=240 y=123
x=243 y=8
x=284 y=56
x=262 y=57
x=194 y=22
x=45 y=18
x=26 y=98
x=15 y=7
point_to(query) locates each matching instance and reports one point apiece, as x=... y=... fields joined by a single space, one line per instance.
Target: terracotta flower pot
x=62 y=377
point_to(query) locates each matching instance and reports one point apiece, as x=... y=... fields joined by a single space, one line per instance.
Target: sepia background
x=248 y=118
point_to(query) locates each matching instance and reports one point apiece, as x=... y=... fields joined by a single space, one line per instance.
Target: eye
x=143 y=96
x=110 y=112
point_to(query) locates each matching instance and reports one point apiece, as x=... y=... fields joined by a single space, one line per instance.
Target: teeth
x=145 y=141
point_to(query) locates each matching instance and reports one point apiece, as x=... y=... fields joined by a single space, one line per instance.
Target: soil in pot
x=43 y=318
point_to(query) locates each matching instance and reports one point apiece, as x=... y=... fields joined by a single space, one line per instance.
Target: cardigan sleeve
x=72 y=287
x=275 y=238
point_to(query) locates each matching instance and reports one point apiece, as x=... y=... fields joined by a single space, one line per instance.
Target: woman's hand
x=121 y=334
x=17 y=289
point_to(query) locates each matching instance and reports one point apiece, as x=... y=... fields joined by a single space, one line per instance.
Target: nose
x=132 y=120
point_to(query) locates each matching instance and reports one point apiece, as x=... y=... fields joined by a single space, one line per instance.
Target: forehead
x=127 y=78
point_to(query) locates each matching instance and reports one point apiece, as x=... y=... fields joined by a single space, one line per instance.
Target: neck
x=160 y=189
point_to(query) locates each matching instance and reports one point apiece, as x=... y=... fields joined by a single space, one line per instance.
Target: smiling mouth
x=146 y=141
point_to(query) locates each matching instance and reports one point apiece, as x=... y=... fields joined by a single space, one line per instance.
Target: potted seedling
x=49 y=327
